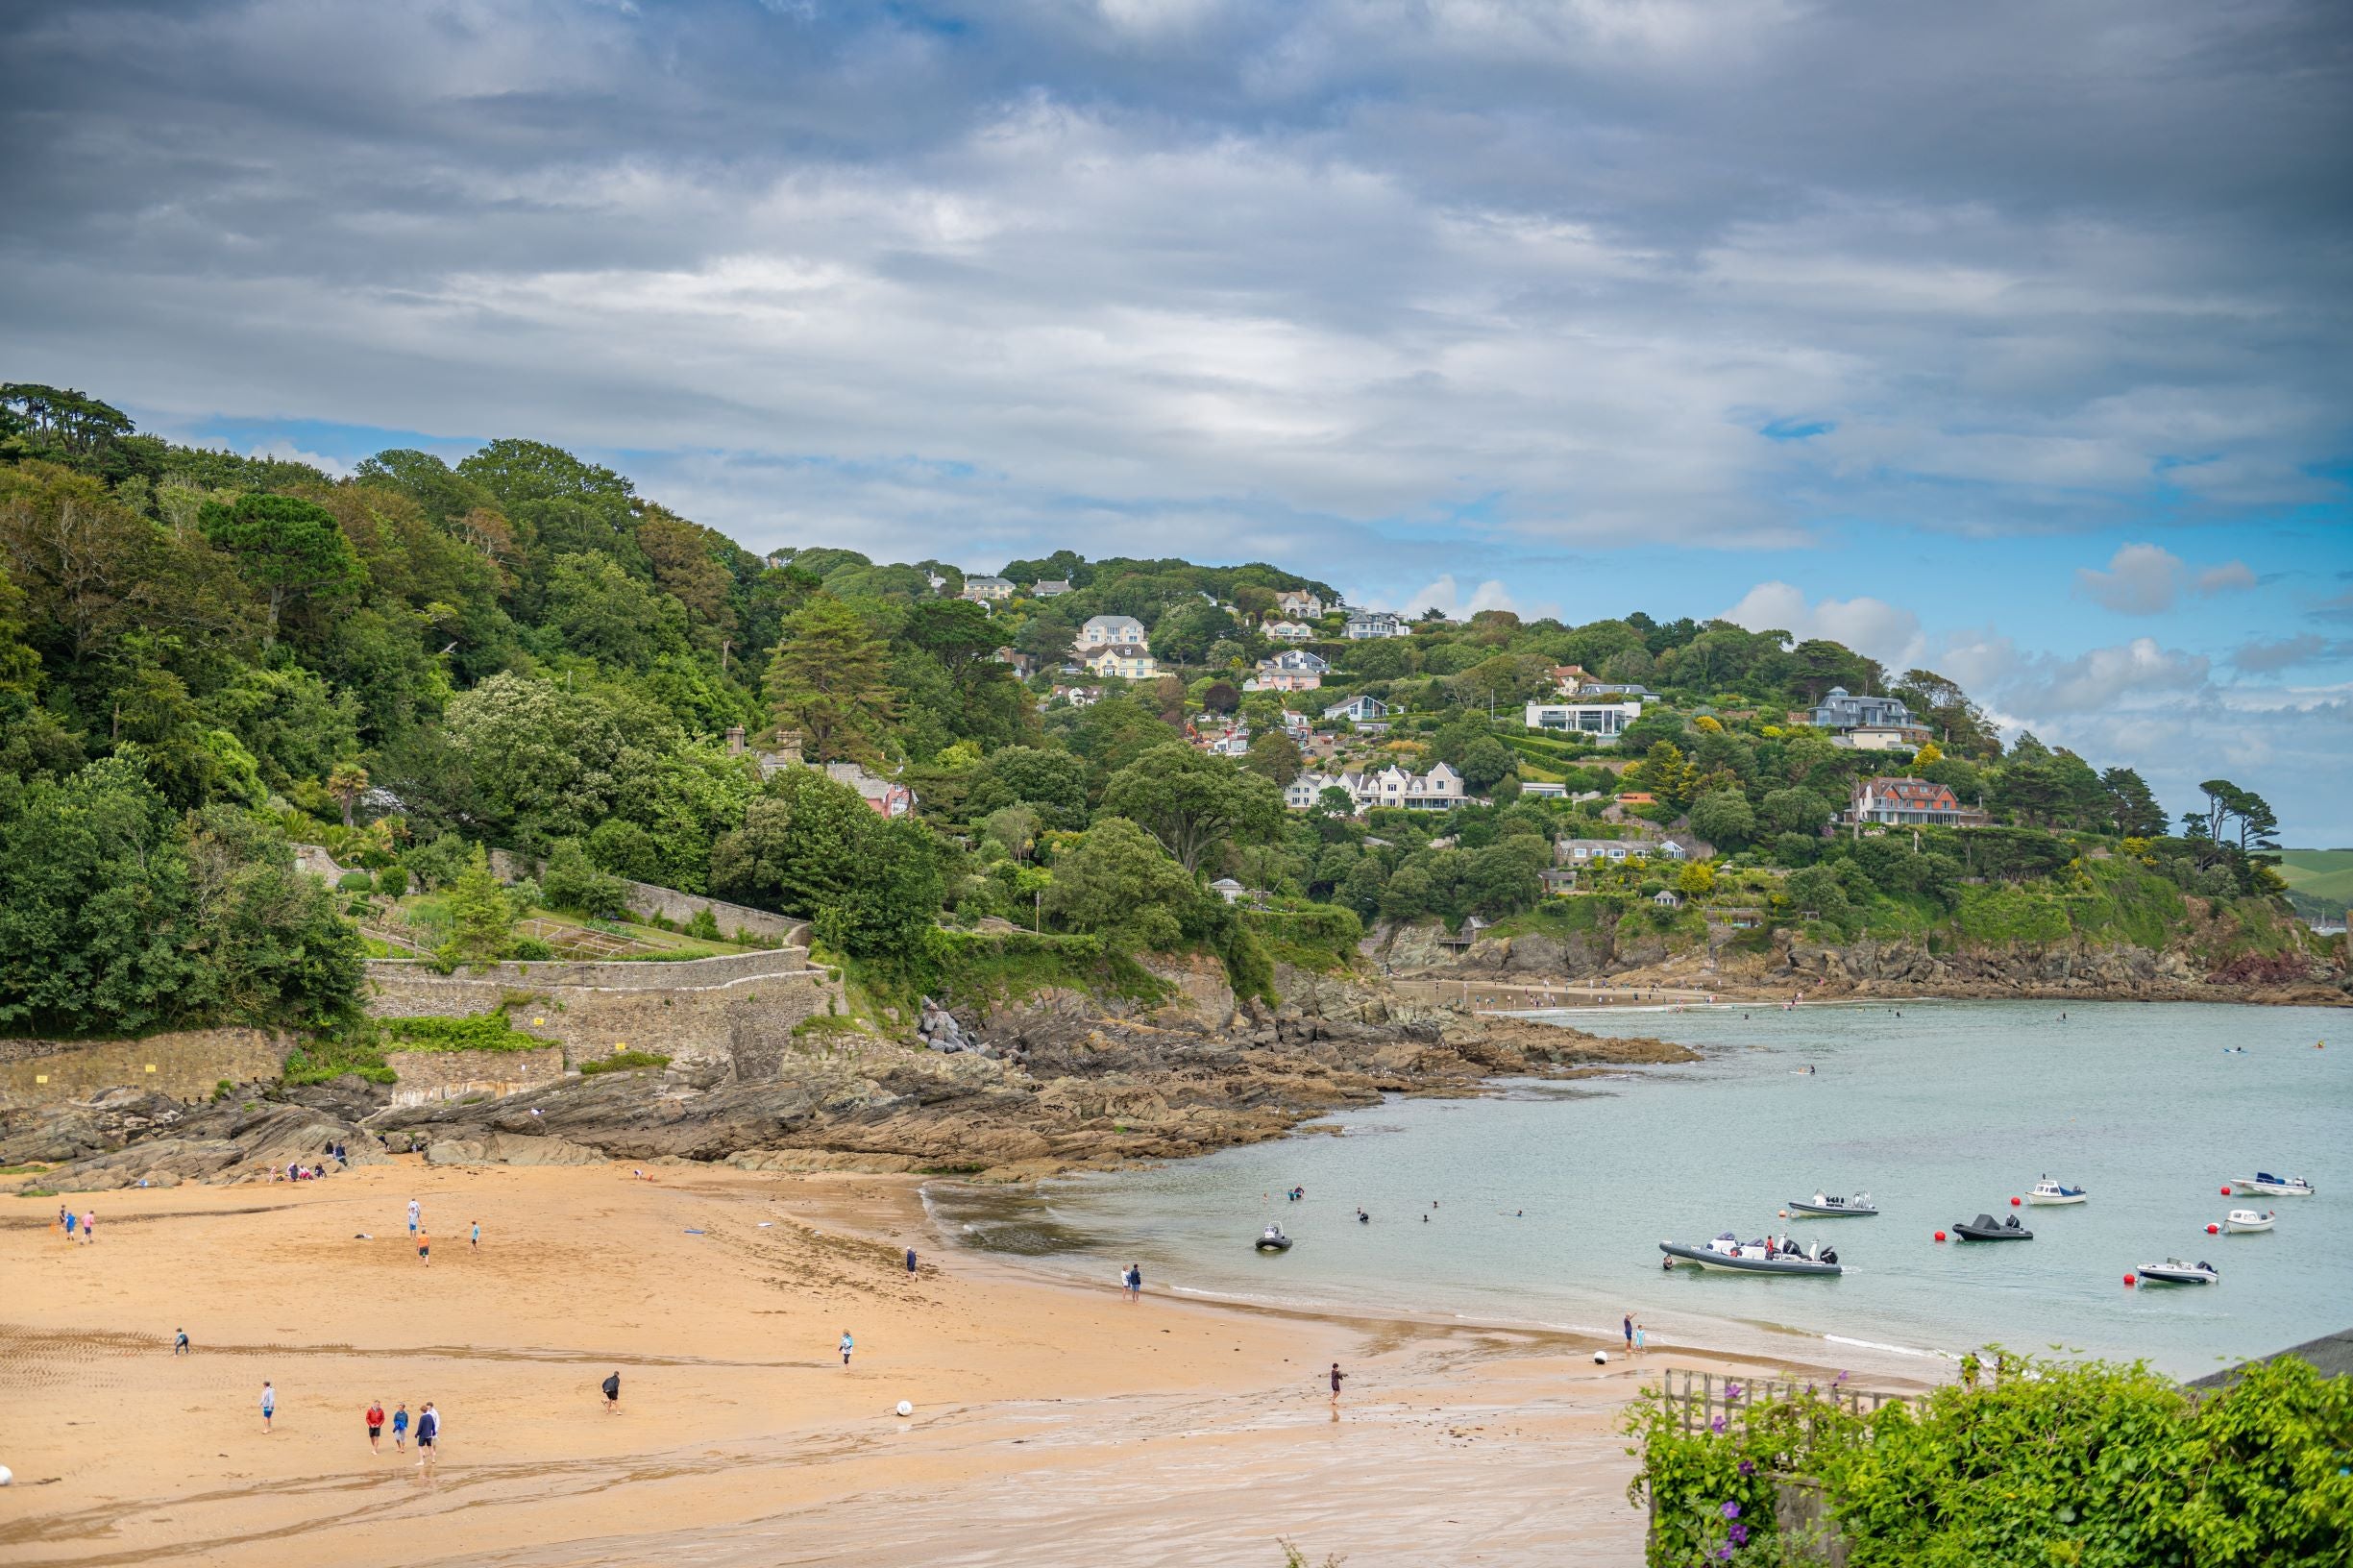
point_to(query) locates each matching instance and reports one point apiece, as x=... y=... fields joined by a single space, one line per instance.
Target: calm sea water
x=1552 y=1199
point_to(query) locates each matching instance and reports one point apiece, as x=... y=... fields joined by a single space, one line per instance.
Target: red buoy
x=2226 y=1192
x=2128 y=1279
x=1939 y=1235
x=2214 y=1230
x=2013 y=1203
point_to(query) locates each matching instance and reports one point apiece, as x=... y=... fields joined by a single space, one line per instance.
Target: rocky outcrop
x=1067 y=1080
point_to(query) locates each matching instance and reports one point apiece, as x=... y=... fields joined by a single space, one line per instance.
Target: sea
x=1543 y=1204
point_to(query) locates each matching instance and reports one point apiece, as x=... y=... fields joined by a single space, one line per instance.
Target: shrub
x=704 y=925
x=529 y=950
x=392 y=881
x=572 y=882
x=355 y=882
x=473 y=1032
x=623 y=1062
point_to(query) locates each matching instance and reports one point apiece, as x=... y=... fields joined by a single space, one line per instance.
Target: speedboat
x=1733 y=1255
x=1986 y=1228
x=2264 y=1185
x=1822 y=1206
x=2246 y=1222
x=2174 y=1271
x=1274 y=1240
x=2048 y=1192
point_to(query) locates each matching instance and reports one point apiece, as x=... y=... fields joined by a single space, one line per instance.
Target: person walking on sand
x=416 y=1216
x=73 y=1223
x=181 y=1345
x=425 y=1249
x=846 y=1347
x=612 y=1393
x=1642 y=1339
x=1336 y=1375
x=478 y=1235
x=90 y=1227
x=428 y=1434
x=376 y=1425
x=269 y=1405
x=400 y=1430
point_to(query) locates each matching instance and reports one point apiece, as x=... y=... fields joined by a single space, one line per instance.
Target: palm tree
x=346 y=782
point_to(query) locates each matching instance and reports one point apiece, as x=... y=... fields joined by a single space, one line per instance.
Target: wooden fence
x=1702 y=1399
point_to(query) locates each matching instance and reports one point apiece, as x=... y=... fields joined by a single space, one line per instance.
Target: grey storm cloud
x=1187 y=272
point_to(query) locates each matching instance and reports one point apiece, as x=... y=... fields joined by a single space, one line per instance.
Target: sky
x=2009 y=340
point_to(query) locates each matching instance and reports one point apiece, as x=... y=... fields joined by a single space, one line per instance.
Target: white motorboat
x=1822 y=1206
x=2174 y=1271
x=2247 y=1222
x=1737 y=1257
x=2048 y=1192
x=2264 y=1185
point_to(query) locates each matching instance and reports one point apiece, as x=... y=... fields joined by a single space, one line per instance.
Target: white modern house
x=1358 y=710
x=1111 y=631
x=1365 y=625
x=1438 y=789
x=1603 y=720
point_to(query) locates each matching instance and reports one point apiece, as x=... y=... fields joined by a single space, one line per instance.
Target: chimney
x=735 y=740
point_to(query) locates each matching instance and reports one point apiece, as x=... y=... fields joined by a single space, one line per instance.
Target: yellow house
x=1127 y=663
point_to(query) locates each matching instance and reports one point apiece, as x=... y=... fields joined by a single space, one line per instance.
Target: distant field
x=2318 y=873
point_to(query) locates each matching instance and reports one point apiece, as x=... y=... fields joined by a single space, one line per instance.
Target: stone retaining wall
x=647 y=900
x=735 y=1012
x=184 y=1063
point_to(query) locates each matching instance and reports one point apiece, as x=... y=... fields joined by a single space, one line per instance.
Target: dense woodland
x=205 y=657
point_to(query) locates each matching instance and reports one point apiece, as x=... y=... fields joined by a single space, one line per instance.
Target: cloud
x=1446 y=596
x=2147 y=579
x=1886 y=632
x=1632 y=271
x=2100 y=677
x=2269 y=658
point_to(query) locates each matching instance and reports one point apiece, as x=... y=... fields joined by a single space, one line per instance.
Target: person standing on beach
x=269 y=1405
x=416 y=1216
x=400 y=1429
x=1630 y=1333
x=181 y=1345
x=846 y=1347
x=425 y=1249
x=1336 y=1375
x=612 y=1393
x=429 y=1434
x=478 y=1235
x=73 y=1222
x=376 y=1425
x=90 y=1227
x=1642 y=1339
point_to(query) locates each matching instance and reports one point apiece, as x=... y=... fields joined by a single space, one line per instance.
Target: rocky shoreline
x=1071 y=1081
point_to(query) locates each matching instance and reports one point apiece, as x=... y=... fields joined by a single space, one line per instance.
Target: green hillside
x=2319 y=881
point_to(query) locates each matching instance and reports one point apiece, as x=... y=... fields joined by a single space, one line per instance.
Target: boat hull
x=2247 y=1227
x=2269 y=1190
x=1971 y=1234
x=2053 y=1203
x=1824 y=1212
x=1726 y=1263
x=2147 y=1278
x=1274 y=1246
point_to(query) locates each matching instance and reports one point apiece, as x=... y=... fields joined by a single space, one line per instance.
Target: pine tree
x=828 y=682
x=481 y=921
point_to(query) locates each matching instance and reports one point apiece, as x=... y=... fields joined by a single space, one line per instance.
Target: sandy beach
x=1052 y=1423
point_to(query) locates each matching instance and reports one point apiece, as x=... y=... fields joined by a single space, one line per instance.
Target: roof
x=1915 y=794
x=1113 y=621
x=2331 y=1355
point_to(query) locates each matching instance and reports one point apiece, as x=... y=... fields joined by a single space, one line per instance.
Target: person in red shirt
x=376 y=1425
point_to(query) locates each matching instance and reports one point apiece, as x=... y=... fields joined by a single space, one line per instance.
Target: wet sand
x=1053 y=1423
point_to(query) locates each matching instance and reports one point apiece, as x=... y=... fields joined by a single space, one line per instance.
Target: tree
x=481 y=918
x=1724 y=818
x=1055 y=782
x=799 y=847
x=894 y=893
x=1486 y=763
x=1793 y=811
x=2132 y=808
x=610 y=615
x=1696 y=880
x=1664 y=774
x=1193 y=802
x=570 y=880
x=290 y=549
x=1116 y=880
x=1185 y=633
x=827 y=681
x=1274 y=755
x=346 y=782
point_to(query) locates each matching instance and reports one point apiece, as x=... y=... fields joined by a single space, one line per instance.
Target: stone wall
x=452 y=1075
x=647 y=900
x=185 y=1064
x=735 y=1012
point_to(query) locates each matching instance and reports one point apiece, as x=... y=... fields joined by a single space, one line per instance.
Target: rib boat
x=1737 y=1257
x=2174 y=1271
x=1822 y=1206
x=1274 y=1240
x=2264 y=1185
x=2048 y=1192
x=1986 y=1228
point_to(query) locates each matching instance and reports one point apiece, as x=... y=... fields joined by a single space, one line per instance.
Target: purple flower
x=1747 y=1467
x=1732 y=1391
x=1724 y=1553
x=1716 y=1425
x=1732 y=1511
x=1739 y=1534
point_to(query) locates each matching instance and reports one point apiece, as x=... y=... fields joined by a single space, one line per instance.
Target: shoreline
x=739 y=1436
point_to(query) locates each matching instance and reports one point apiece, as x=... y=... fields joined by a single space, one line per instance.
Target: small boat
x=1737 y=1257
x=2246 y=1222
x=2264 y=1185
x=1986 y=1228
x=2174 y=1271
x=1822 y=1206
x=2048 y=1192
x=1274 y=1240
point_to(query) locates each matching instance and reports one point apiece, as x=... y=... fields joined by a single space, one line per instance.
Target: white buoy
x=1601 y=1358
x=905 y=1408
x=6 y=1475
